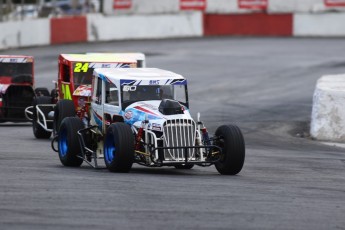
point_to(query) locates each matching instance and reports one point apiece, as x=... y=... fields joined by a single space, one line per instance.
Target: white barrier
x=328 y=113
x=144 y=7
x=294 y=6
x=326 y=24
x=226 y=7
x=221 y=6
x=186 y=24
x=156 y=6
x=24 y=33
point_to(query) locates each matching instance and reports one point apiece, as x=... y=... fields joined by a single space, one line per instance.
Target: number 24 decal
x=81 y=67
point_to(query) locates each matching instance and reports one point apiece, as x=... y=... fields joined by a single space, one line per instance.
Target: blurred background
x=11 y=10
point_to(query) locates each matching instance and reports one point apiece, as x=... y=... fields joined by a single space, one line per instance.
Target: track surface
x=265 y=85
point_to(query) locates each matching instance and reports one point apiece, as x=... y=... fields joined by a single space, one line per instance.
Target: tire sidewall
x=119 y=136
x=64 y=108
x=68 y=138
x=233 y=149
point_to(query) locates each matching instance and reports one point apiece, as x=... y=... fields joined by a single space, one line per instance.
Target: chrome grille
x=179 y=133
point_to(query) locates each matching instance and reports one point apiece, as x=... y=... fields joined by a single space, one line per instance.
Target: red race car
x=16 y=86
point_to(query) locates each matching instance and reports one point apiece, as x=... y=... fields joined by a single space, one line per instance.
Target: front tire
x=68 y=143
x=38 y=130
x=231 y=142
x=119 y=148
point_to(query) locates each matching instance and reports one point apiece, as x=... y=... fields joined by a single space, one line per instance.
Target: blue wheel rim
x=109 y=149
x=63 y=148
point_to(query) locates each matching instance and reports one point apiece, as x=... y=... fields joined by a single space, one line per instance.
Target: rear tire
x=233 y=149
x=64 y=108
x=42 y=91
x=54 y=95
x=68 y=143
x=38 y=131
x=119 y=148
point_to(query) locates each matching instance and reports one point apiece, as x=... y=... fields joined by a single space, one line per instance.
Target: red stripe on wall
x=261 y=24
x=68 y=30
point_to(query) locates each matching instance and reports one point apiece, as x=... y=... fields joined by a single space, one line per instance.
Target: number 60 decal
x=127 y=88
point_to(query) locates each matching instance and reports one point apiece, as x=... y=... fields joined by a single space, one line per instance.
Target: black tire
x=233 y=149
x=54 y=95
x=42 y=91
x=68 y=143
x=64 y=108
x=119 y=148
x=184 y=166
x=38 y=131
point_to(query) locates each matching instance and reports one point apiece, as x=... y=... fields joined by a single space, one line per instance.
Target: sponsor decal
x=334 y=3
x=133 y=115
x=122 y=4
x=253 y=4
x=156 y=127
x=83 y=90
x=108 y=65
x=154 y=82
x=128 y=115
x=15 y=60
x=193 y=5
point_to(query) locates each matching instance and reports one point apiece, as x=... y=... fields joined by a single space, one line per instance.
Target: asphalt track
x=264 y=85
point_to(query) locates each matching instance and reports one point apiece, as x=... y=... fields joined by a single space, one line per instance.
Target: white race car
x=142 y=116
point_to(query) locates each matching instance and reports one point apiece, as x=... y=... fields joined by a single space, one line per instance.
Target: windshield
x=82 y=71
x=131 y=94
x=14 y=70
x=82 y=74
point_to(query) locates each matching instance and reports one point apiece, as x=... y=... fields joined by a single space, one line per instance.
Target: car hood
x=83 y=91
x=139 y=111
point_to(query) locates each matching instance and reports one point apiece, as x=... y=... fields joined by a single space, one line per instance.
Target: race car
x=16 y=86
x=140 y=57
x=73 y=89
x=142 y=116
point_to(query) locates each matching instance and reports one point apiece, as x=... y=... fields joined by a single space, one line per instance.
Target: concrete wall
x=321 y=25
x=188 y=24
x=221 y=7
x=328 y=113
x=217 y=20
x=24 y=33
x=258 y=24
x=295 y=6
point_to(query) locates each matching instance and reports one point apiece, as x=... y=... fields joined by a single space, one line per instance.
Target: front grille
x=179 y=133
